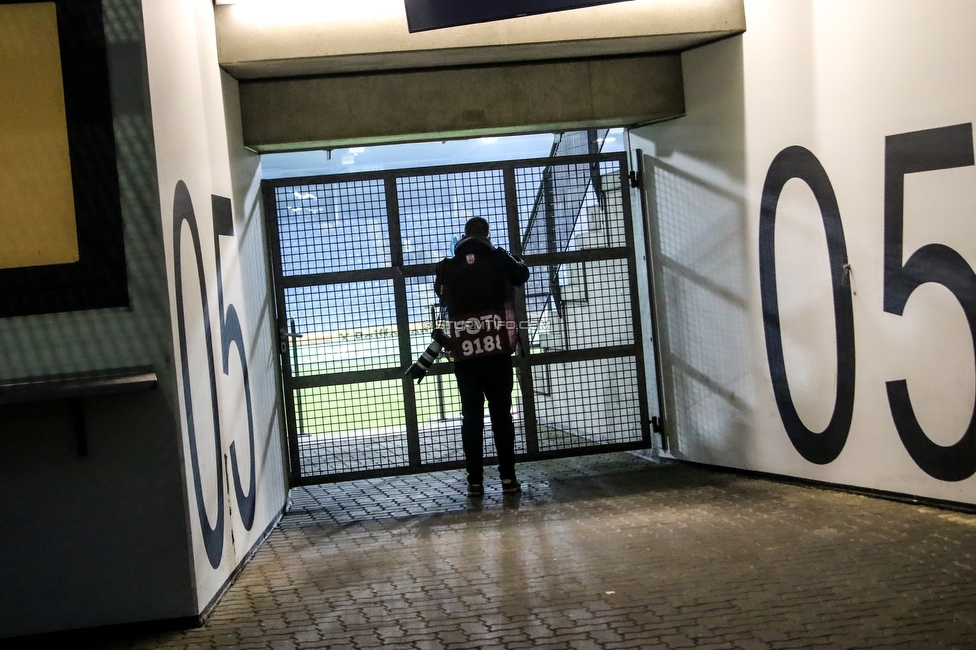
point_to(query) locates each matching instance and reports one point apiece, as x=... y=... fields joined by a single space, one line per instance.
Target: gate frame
x=398 y=273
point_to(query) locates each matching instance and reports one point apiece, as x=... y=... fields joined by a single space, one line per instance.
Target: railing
x=568 y=144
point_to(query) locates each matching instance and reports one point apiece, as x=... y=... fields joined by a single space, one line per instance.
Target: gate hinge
x=635 y=180
x=658 y=427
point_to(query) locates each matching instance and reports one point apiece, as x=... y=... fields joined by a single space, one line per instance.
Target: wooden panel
x=37 y=210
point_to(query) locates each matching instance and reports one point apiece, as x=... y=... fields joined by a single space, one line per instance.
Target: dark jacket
x=480 y=277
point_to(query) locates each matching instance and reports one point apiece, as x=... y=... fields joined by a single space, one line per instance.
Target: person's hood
x=473 y=244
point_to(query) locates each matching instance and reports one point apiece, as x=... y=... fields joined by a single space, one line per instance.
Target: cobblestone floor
x=606 y=551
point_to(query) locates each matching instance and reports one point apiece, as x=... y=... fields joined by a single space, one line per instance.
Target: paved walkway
x=607 y=551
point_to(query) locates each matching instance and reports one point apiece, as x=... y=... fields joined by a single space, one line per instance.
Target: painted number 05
x=230 y=334
x=930 y=150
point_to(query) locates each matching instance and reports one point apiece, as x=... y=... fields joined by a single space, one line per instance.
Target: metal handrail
x=539 y=201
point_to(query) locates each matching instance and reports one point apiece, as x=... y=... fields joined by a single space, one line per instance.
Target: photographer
x=476 y=286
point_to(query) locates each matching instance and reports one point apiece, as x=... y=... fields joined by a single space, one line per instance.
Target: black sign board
x=99 y=279
x=423 y=15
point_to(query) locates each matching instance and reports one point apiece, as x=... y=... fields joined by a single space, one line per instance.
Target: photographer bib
x=482 y=335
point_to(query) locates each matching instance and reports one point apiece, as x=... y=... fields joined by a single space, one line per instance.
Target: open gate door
x=354 y=259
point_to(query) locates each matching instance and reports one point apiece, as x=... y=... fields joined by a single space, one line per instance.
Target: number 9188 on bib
x=482 y=335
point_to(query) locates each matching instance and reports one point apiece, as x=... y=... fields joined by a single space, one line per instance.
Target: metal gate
x=354 y=259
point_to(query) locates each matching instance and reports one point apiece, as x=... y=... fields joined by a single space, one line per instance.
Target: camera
x=418 y=370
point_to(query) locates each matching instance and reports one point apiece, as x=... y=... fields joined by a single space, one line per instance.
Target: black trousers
x=480 y=379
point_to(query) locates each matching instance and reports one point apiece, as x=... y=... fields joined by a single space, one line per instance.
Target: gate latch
x=284 y=336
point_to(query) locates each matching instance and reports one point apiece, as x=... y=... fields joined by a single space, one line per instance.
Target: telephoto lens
x=418 y=370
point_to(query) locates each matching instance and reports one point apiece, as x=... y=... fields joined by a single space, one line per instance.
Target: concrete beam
x=279 y=38
x=344 y=110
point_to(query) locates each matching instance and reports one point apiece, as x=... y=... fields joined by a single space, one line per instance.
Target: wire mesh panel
x=588 y=403
x=439 y=420
x=354 y=281
x=586 y=305
x=570 y=207
x=433 y=210
x=343 y=327
x=701 y=284
x=332 y=227
x=348 y=427
x=552 y=200
x=423 y=312
x=439 y=416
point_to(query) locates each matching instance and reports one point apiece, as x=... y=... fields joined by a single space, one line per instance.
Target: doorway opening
x=354 y=255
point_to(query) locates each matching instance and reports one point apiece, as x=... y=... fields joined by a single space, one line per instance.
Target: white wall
x=198 y=146
x=114 y=536
x=99 y=539
x=836 y=78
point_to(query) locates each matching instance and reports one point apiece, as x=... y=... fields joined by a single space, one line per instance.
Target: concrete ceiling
x=262 y=39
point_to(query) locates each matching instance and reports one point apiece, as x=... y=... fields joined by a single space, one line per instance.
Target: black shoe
x=511 y=486
x=476 y=490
